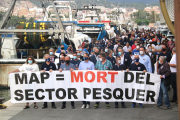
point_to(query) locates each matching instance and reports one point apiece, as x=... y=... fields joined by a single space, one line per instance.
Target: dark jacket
x=93 y=59
x=127 y=61
x=165 y=70
x=152 y=57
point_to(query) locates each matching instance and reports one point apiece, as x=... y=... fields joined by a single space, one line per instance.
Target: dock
x=148 y=112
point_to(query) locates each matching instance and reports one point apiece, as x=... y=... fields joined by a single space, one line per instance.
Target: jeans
x=72 y=103
x=122 y=103
x=163 y=91
x=86 y=102
x=174 y=85
x=152 y=69
x=135 y=103
x=52 y=103
x=99 y=102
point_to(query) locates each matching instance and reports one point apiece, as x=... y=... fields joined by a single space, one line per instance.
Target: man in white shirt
x=105 y=40
x=172 y=65
x=127 y=47
x=158 y=47
x=150 y=43
x=145 y=59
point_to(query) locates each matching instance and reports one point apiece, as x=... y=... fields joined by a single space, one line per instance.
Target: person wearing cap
x=136 y=66
x=136 y=51
x=52 y=55
x=145 y=59
x=152 y=56
x=164 y=53
x=60 y=49
x=125 y=58
x=79 y=56
x=86 y=65
x=84 y=43
x=119 y=67
x=127 y=47
x=110 y=57
x=75 y=60
x=103 y=64
x=150 y=43
x=86 y=48
x=98 y=45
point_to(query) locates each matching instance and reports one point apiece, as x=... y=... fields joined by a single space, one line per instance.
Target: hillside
x=138 y=4
x=136 y=1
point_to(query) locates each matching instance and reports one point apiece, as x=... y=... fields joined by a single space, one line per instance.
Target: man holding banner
x=137 y=66
x=86 y=65
x=71 y=67
x=119 y=67
x=103 y=64
x=48 y=66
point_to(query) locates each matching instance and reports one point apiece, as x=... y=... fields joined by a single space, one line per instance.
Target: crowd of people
x=139 y=50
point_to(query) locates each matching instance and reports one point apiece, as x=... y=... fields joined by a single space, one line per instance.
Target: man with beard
x=66 y=67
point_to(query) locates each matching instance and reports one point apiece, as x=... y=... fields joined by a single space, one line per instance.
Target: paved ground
x=15 y=112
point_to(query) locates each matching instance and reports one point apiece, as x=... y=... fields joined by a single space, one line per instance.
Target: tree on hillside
x=31 y=20
x=143 y=18
x=23 y=19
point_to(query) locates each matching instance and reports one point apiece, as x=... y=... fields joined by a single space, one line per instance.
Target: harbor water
x=5 y=93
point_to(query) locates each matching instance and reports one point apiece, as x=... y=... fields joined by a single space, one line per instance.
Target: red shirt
x=83 y=45
x=133 y=47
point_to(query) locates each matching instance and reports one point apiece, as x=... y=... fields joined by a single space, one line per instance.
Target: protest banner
x=91 y=86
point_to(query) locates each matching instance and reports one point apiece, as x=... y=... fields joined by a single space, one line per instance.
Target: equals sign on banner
x=59 y=77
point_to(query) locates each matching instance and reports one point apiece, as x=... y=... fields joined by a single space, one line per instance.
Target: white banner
x=94 y=86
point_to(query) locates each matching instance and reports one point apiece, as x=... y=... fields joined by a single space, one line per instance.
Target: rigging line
x=43 y=6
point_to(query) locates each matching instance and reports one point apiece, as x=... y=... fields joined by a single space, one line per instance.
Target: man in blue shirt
x=136 y=51
x=86 y=48
x=64 y=67
x=75 y=60
x=86 y=65
x=145 y=60
x=110 y=57
x=60 y=49
x=103 y=64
